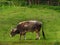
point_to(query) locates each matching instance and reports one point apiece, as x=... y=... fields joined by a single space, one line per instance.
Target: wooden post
x=29 y=1
x=38 y=2
x=48 y=2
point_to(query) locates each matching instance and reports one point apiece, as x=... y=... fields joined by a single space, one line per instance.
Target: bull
x=28 y=26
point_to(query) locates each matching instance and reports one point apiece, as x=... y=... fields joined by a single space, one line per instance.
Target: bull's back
x=29 y=25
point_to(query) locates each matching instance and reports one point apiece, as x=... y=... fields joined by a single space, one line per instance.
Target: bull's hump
x=22 y=22
x=33 y=21
x=28 y=21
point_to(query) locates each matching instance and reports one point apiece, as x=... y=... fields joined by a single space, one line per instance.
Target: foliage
x=25 y=2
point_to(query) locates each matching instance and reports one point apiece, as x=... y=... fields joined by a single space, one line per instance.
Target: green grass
x=11 y=16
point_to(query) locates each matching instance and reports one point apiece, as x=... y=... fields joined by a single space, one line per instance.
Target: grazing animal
x=28 y=26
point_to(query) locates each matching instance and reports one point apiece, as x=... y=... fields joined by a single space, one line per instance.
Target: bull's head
x=13 y=32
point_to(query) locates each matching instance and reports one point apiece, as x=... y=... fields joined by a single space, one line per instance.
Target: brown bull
x=28 y=26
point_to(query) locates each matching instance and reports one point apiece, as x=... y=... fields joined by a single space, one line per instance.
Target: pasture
x=11 y=16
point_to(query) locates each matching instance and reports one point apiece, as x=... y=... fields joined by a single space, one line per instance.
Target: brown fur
x=28 y=26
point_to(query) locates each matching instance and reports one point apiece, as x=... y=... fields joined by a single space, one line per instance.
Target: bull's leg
x=37 y=35
x=24 y=34
x=24 y=37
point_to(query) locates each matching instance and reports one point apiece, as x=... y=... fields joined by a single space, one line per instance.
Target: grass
x=11 y=16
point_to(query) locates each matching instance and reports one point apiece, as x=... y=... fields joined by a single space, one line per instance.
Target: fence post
x=48 y=2
x=38 y=2
x=29 y=1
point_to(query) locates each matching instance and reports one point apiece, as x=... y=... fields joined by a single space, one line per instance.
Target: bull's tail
x=43 y=32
